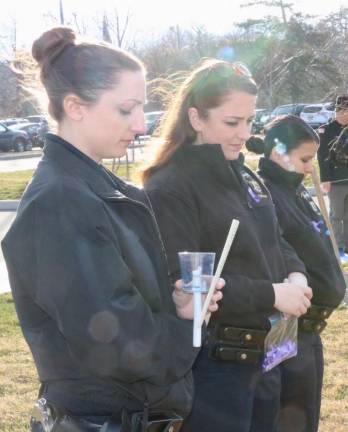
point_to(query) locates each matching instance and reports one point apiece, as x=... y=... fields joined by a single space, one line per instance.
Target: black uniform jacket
x=91 y=288
x=331 y=171
x=195 y=197
x=305 y=230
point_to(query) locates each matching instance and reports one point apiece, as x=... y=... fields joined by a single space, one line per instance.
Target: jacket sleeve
x=292 y=261
x=179 y=225
x=322 y=155
x=321 y=268
x=81 y=280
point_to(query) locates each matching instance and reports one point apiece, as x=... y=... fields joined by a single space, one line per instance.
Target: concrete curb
x=9 y=205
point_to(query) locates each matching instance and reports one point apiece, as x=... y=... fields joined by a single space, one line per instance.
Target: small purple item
x=254 y=195
x=276 y=354
x=316 y=225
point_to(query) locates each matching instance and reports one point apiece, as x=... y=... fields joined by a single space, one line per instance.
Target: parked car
x=16 y=140
x=152 y=119
x=32 y=129
x=13 y=121
x=260 y=119
x=38 y=118
x=318 y=114
x=43 y=129
x=294 y=109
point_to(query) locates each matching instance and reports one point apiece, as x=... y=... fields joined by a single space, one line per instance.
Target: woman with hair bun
x=86 y=265
x=289 y=148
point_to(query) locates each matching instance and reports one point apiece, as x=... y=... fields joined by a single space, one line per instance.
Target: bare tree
x=79 y=24
x=275 y=3
x=105 y=29
x=121 y=28
x=61 y=12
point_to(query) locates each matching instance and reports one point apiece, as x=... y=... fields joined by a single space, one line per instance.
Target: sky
x=148 y=17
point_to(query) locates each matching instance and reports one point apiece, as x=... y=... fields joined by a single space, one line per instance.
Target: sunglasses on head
x=238 y=68
x=241 y=69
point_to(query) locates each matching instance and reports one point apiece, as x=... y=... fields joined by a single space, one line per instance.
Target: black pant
x=299 y=399
x=224 y=396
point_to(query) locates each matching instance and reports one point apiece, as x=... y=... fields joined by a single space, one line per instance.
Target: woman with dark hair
x=86 y=265
x=289 y=148
x=197 y=184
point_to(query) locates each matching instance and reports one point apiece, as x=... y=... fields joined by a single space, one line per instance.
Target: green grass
x=19 y=384
x=18 y=379
x=12 y=184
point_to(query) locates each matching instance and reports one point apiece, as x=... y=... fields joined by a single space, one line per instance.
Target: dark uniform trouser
x=301 y=384
x=339 y=213
x=224 y=396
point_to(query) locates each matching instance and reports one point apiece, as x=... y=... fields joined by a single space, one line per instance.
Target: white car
x=318 y=114
x=152 y=120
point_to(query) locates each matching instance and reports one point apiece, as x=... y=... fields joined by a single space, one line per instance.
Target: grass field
x=19 y=385
x=12 y=184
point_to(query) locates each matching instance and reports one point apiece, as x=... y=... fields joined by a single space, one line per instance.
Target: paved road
x=19 y=164
x=6 y=219
x=11 y=161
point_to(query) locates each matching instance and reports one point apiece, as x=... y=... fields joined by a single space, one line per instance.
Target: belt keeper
x=308 y=325
x=242 y=336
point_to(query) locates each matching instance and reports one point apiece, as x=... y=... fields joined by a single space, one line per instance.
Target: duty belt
x=238 y=344
x=314 y=321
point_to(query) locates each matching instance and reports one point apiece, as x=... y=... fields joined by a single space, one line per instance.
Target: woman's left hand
x=184 y=301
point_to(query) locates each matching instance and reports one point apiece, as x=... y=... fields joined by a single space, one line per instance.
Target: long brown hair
x=204 y=88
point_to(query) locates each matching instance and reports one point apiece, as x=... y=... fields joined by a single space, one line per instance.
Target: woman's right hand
x=184 y=301
x=292 y=299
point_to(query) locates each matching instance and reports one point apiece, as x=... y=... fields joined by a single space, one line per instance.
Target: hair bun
x=51 y=43
x=255 y=144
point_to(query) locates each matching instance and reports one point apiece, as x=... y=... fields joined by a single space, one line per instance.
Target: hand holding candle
x=196 y=270
x=184 y=300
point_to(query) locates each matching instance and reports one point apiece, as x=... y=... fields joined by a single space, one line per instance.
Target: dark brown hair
x=288 y=132
x=204 y=88
x=83 y=68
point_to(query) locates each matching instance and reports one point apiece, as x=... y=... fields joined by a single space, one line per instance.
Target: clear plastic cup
x=197 y=270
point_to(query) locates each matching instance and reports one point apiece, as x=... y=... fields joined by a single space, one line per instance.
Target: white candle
x=225 y=251
x=197 y=306
x=197 y=328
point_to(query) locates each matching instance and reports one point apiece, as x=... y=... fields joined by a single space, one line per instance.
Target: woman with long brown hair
x=197 y=184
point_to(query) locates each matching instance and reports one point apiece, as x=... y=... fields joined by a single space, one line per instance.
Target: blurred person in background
x=334 y=175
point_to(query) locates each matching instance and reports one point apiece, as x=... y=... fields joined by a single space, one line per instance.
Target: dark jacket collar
x=211 y=157
x=76 y=163
x=272 y=171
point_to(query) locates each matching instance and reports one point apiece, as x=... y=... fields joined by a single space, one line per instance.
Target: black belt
x=237 y=344
x=242 y=337
x=225 y=352
x=45 y=416
x=318 y=313
x=311 y=326
x=314 y=321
